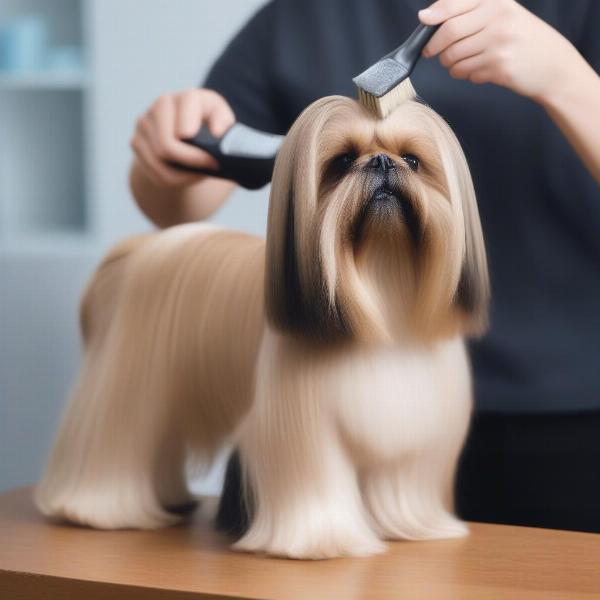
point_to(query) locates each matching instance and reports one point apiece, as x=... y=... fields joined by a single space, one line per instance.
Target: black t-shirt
x=539 y=206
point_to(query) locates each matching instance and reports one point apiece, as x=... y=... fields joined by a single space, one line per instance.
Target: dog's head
x=373 y=231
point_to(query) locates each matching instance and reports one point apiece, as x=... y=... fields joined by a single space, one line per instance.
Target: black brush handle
x=244 y=155
x=409 y=53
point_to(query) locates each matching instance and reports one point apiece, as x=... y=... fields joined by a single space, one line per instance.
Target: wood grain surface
x=39 y=559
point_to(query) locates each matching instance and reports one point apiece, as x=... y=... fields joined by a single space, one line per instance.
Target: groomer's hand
x=499 y=41
x=173 y=117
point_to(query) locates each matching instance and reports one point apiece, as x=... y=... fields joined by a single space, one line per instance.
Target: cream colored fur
x=348 y=392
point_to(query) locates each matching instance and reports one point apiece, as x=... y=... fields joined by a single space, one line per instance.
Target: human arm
x=501 y=42
x=240 y=82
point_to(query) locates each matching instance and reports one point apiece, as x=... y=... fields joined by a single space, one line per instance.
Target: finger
x=442 y=10
x=454 y=30
x=465 y=48
x=148 y=171
x=141 y=156
x=159 y=172
x=216 y=112
x=167 y=147
x=183 y=153
x=463 y=69
x=484 y=75
x=189 y=114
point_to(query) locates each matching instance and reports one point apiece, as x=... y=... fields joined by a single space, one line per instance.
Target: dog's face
x=373 y=232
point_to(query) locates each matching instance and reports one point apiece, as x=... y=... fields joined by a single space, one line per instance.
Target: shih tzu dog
x=332 y=356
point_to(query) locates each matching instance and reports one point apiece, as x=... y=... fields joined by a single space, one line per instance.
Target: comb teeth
x=383 y=105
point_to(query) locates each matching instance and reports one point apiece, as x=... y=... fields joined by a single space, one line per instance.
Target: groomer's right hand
x=172 y=118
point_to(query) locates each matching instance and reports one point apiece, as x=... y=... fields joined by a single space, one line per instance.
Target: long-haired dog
x=332 y=355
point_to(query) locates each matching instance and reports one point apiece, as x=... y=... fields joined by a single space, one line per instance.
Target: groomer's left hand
x=499 y=41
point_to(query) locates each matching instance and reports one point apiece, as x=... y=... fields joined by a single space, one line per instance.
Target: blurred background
x=74 y=76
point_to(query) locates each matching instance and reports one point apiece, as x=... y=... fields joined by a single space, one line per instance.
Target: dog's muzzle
x=385 y=189
x=386 y=195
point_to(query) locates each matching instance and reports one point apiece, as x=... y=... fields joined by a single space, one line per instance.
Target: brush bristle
x=383 y=105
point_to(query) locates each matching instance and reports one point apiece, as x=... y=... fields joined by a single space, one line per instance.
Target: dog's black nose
x=382 y=162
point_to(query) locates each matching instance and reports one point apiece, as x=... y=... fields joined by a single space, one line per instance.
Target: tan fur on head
x=342 y=445
x=321 y=273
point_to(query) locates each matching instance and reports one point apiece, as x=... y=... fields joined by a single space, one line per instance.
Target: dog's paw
x=105 y=510
x=444 y=527
x=449 y=528
x=328 y=545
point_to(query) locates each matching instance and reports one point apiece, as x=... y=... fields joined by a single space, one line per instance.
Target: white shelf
x=44 y=80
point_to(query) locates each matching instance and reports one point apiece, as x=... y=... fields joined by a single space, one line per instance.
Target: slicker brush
x=386 y=84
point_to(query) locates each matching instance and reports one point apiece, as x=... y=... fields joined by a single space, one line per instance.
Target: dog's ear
x=473 y=290
x=295 y=293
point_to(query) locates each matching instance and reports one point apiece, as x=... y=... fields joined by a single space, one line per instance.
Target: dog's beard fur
x=370 y=277
x=363 y=254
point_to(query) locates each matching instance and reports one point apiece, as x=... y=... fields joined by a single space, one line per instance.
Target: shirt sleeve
x=589 y=45
x=242 y=74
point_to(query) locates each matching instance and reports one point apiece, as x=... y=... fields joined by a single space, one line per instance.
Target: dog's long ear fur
x=299 y=296
x=473 y=291
x=296 y=298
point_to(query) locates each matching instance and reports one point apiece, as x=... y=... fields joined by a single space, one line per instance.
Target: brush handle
x=245 y=155
x=408 y=54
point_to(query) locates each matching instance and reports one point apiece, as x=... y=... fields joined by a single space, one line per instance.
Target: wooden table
x=50 y=561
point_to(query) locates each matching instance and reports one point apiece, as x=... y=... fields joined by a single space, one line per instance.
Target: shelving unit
x=44 y=143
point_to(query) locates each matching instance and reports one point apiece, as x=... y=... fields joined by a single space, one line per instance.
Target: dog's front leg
x=305 y=494
x=412 y=499
x=306 y=503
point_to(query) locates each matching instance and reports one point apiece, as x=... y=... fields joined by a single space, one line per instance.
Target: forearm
x=166 y=205
x=574 y=105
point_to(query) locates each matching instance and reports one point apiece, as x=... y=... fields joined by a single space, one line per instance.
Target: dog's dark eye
x=343 y=162
x=412 y=161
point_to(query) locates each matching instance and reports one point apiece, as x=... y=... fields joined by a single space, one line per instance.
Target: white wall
x=141 y=48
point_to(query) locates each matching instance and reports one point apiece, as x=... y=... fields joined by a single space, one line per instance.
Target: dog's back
x=153 y=320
